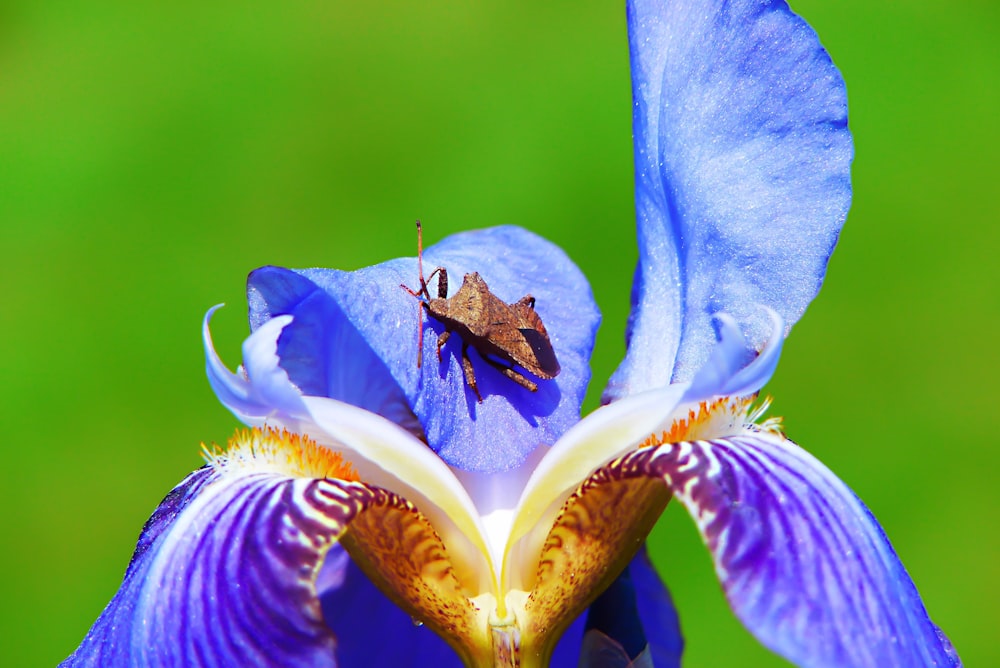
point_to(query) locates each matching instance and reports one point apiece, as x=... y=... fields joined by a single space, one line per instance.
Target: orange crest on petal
x=268 y=449
x=718 y=418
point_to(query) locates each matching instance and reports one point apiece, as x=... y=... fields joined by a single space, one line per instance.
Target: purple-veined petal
x=371 y=630
x=357 y=328
x=230 y=568
x=223 y=575
x=742 y=157
x=804 y=564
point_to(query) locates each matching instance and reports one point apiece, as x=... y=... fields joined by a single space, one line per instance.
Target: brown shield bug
x=503 y=334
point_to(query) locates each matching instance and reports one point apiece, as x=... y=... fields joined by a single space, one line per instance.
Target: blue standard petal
x=354 y=338
x=742 y=159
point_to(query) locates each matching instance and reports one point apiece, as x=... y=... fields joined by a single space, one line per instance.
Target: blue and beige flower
x=374 y=513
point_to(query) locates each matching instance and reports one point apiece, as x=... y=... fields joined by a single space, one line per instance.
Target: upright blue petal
x=804 y=564
x=354 y=337
x=742 y=158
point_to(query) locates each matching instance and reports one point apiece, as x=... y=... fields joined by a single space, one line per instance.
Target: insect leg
x=442 y=340
x=421 y=305
x=442 y=282
x=512 y=374
x=470 y=374
x=420 y=334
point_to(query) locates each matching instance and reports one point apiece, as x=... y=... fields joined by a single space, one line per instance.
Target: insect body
x=503 y=334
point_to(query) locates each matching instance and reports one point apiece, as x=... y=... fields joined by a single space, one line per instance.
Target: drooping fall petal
x=804 y=564
x=227 y=571
x=224 y=574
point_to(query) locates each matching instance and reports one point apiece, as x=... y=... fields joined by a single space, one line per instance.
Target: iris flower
x=376 y=513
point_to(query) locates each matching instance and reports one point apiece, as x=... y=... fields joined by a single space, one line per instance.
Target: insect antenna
x=422 y=292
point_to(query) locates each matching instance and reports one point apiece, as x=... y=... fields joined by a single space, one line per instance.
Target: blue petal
x=221 y=576
x=363 y=619
x=731 y=368
x=742 y=159
x=322 y=351
x=657 y=613
x=638 y=615
x=804 y=564
x=265 y=389
x=354 y=338
x=567 y=651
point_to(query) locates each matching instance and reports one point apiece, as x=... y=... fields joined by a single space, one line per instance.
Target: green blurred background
x=151 y=155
